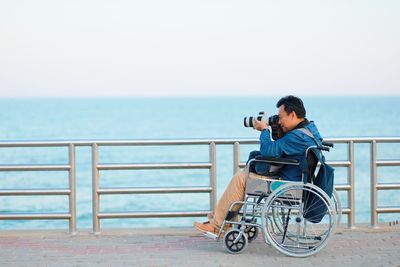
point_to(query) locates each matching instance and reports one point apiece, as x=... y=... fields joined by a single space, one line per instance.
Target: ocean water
x=173 y=118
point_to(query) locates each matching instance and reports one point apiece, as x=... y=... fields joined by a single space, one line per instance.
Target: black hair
x=292 y=103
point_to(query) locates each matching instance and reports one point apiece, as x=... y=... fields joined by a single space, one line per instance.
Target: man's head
x=291 y=112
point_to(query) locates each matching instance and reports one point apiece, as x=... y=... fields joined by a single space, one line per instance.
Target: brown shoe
x=205 y=227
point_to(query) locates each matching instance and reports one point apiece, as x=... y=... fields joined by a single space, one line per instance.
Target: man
x=292 y=145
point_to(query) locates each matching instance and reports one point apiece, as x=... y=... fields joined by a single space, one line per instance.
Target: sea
x=174 y=118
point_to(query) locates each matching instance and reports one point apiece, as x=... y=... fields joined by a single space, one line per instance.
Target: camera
x=276 y=129
x=249 y=121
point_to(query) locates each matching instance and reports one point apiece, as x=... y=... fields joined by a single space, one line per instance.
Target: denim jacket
x=292 y=145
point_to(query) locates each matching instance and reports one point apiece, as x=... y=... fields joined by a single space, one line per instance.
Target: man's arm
x=268 y=147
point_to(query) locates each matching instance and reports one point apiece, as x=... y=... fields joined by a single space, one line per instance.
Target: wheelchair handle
x=324 y=148
x=327 y=144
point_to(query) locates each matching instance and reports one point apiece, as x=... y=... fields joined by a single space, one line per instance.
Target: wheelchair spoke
x=298 y=234
x=286 y=227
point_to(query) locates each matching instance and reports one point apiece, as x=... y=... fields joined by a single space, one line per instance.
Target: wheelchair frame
x=282 y=214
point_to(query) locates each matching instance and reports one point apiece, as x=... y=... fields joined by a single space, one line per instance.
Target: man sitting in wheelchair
x=290 y=145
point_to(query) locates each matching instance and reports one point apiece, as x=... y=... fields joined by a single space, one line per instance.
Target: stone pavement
x=186 y=247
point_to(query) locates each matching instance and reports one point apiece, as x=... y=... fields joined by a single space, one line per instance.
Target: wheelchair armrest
x=274 y=160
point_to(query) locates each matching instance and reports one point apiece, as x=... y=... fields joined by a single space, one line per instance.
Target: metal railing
x=348 y=163
x=70 y=191
x=97 y=167
x=375 y=185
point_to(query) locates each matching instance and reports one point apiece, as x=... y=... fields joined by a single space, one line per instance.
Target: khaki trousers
x=234 y=192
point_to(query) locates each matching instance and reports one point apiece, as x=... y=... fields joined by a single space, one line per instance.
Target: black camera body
x=276 y=129
x=273 y=121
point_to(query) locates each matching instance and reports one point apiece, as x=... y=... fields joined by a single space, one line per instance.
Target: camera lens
x=248 y=121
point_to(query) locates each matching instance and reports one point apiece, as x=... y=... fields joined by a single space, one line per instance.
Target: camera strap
x=309 y=134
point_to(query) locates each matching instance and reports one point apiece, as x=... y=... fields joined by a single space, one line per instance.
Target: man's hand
x=260 y=125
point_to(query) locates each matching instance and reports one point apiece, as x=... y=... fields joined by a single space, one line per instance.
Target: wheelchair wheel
x=251 y=232
x=278 y=221
x=235 y=241
x=294 y=228
x=277 y=217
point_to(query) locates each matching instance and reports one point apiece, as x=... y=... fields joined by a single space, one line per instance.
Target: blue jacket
x=292 y=145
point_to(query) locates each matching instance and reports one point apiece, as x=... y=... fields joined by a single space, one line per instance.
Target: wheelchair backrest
x=315 y=210
x=309 y=164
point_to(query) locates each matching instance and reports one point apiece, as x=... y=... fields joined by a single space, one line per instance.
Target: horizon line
x=193 y=96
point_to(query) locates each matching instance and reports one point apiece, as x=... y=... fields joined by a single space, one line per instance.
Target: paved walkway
x=185 y=247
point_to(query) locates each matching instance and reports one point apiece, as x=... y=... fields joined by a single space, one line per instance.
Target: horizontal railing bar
x=46 y=143
x=35 y=167
x=175 y=142
x=160 y=214
x=343 y=187
x=242 y=164
x=363 y=139
x=346 y=210
x=33 y=192
x=153 y=190
x=388 y=210
x=338 y=163
x=34 y=216
x=141 y=142
x=388 y=162
x=138 y=142
x=143 y=166
x=387 y=186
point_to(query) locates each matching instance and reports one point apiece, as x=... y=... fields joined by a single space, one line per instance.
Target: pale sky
x=94 y=48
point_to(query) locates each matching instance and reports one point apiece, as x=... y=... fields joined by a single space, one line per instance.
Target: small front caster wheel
x=252 y=233
x=235 y=241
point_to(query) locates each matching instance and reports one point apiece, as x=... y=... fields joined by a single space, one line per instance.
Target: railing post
x=72 y=188
x=236 y=157
x=95 y=188
x=374 y=174
x=351 y=192
x=213 y=176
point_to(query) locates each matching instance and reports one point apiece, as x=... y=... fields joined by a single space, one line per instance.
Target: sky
x=132 y=48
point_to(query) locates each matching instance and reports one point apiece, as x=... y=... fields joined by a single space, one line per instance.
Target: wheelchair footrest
x=211 y=235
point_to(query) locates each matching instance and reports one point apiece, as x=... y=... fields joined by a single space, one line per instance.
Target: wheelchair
x=283 y=210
